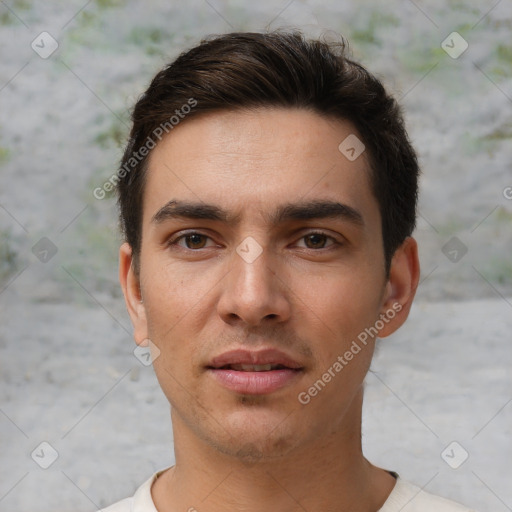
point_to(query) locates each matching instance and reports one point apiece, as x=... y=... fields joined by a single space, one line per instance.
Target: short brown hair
x=277 y=69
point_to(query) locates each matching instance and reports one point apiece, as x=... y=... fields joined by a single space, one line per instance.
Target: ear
x=401 y=287
x=130 y=283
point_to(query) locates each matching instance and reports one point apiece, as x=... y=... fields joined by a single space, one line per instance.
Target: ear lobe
x=401 y=287
x=130 y=283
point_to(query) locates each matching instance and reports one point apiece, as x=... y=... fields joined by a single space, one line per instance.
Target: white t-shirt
x=405 y=497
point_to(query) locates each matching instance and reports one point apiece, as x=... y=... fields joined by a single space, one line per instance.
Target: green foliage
x=502 y=61
x=502 y=133
x=114 y=135
x=368 y=34
x=505 y=216
x=5 y=18
x=8 y=257
x=113 y=132
x=21 y=5
x=421 y=60
x=87 y=18
x=492 y=140
x=451 y=226
x=499 y=270
x=141 y=35
x=107 y=4
x=504 y=53
x=4 y=154
x=151 y=39
x=8 y=18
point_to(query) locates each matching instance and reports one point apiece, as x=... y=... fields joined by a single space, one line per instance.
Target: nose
x=254 y=293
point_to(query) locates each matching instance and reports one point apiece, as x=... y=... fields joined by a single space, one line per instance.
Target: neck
x=330 y=473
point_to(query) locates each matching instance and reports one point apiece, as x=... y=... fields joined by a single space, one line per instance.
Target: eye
x=318 y=240
x=191 y=240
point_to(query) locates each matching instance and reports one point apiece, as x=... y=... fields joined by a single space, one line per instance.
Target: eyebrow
x=304 y=210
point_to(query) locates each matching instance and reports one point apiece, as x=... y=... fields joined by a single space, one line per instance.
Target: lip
x=254 y=383
x=265 y=356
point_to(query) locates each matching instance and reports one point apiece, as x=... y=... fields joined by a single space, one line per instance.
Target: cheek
x=345 y=304
x=166 y=303
x=178 y=306
x=170 y=293
x=336 y=321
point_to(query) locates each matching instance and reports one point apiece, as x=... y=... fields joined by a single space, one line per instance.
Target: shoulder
x=408 y=497
x=141 y=501
x=125 y=505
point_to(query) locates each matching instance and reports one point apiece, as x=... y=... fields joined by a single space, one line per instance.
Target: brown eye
x=195 y=241
x=315 y=240
x=191 y=240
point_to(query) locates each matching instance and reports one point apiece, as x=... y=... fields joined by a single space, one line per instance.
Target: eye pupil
x=315 y=240
x=195 y=241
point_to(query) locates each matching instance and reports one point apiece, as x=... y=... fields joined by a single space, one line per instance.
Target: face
x=261 y=265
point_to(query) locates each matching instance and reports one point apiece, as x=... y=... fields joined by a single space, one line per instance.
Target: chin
x=257 y=435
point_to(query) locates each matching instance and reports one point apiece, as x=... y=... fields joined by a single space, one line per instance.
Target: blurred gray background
x=69 y=74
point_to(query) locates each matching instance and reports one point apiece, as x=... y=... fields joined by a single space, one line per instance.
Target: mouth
x=254 y=373
x=252 y=367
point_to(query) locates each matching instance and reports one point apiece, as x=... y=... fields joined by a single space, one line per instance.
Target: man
x=267 y=197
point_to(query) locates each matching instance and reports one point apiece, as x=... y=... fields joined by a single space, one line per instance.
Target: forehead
x=248 y=162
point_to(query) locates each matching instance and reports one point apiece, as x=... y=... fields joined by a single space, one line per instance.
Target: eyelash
x=173 y=242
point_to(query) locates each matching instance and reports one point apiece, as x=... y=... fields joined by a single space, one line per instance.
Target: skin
x=309 y=296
